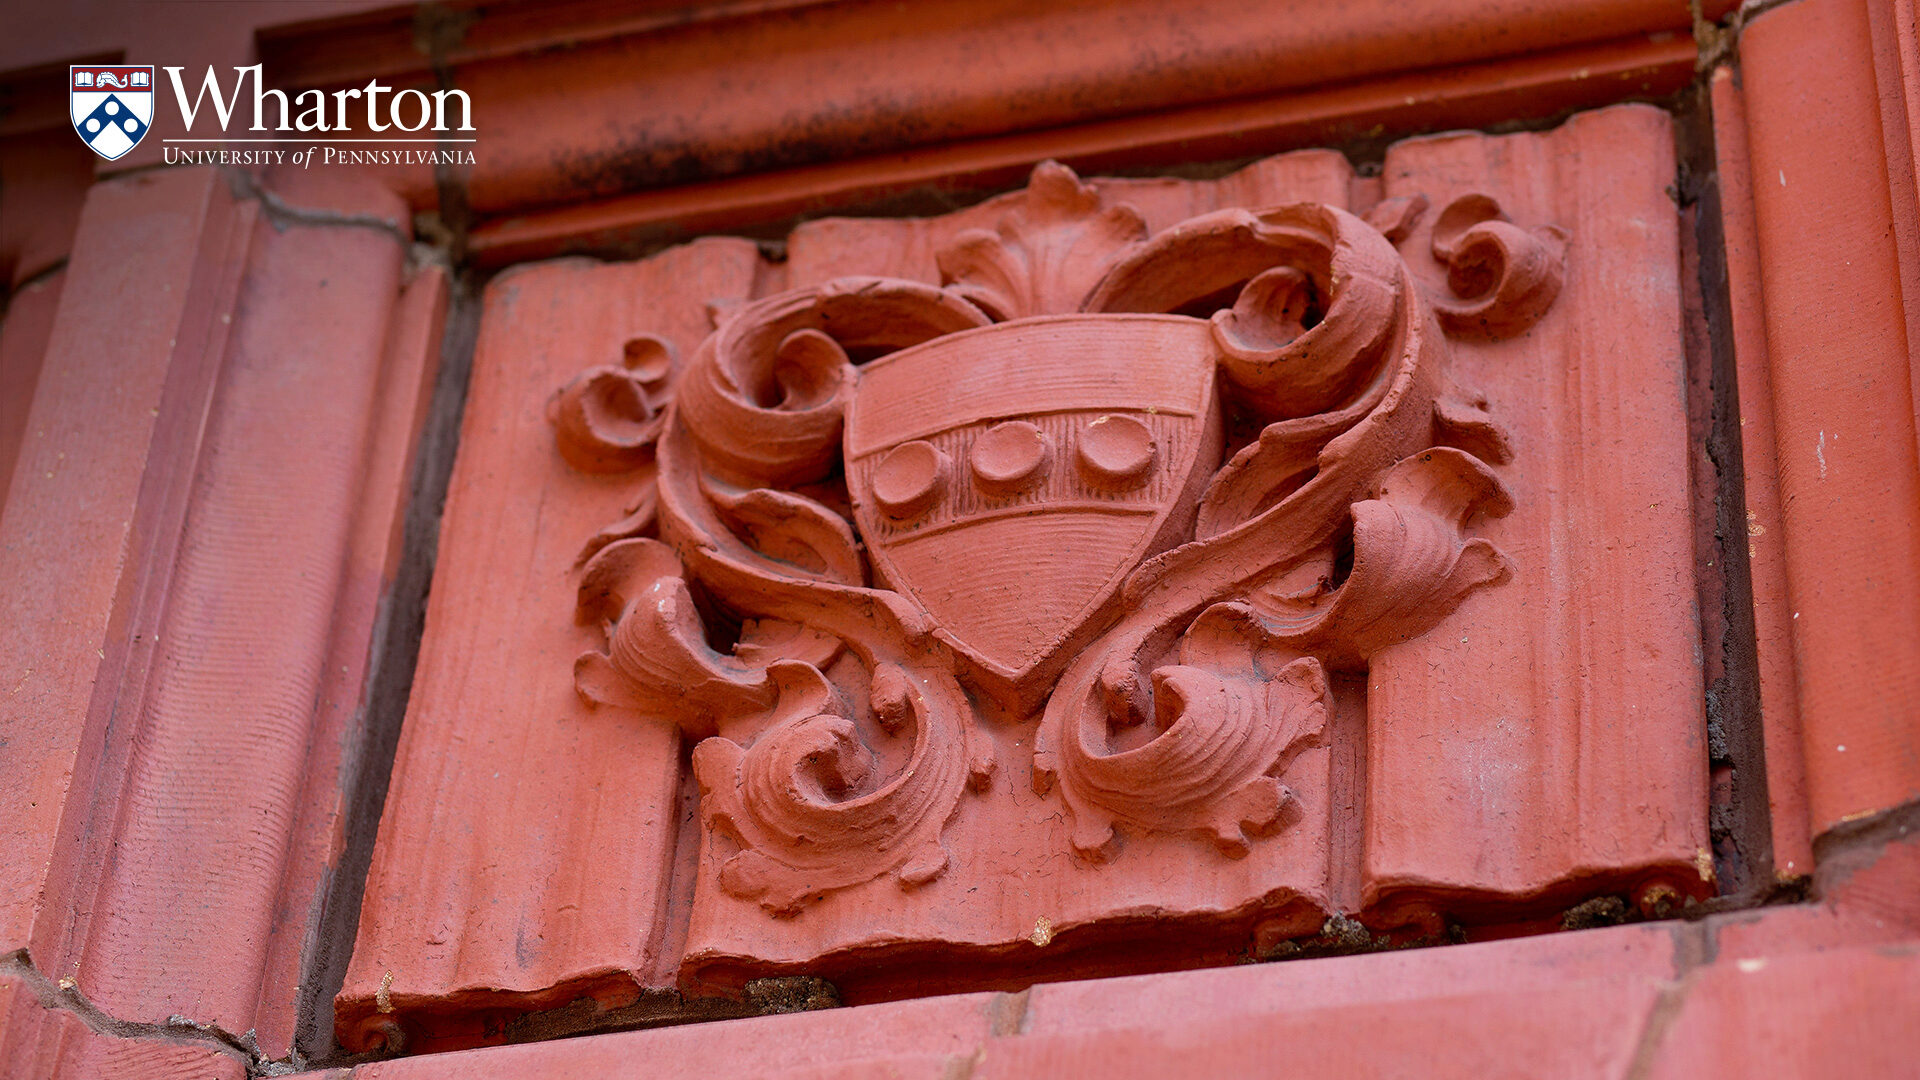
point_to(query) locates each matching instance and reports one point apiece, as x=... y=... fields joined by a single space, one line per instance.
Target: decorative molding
x=208 y=703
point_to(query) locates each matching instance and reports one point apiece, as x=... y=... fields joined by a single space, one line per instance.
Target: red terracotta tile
x=1553 y=696
x=298 y=948
x=1894 y=26
x=1002 y=845
x=1766 y=553
x=350 y=195
x=198 y=831
x=1603 y=1003
x=40 y=1044
x=539 y=154
x=1869 y=894
x=819 y=251
x=217 y=589
x=1571 y=1029
x=1597 y=1003
x=87 y=515
x=1844 y=415
x=1572 y=1006
x=483 y=897
x=1878 y=876
x=1383 y=981
x=1008 y=880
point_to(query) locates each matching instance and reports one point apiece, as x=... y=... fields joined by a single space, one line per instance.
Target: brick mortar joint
x=283 y=214
x=1844 y=849
x=37 y=277
x=65 y=995
x=1659 y=1024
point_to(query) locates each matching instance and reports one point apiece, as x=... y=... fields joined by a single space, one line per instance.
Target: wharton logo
x=111 y=106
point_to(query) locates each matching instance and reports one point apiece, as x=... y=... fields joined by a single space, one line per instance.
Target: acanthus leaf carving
x=1046 y=254
x=826 y=605
x=802 y=802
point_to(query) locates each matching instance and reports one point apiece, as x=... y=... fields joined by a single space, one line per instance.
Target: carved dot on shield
x=910 y=479
x=112 y=107
x=1009 y=458
x=93 y=125
x=1116 y=451
x=130 y=123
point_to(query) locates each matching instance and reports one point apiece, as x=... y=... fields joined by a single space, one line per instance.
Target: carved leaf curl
x=1412 y=564
x=1505 y=277
x=1226 y=737
x=786 y=775
x=1306 y=344
x=658 y=660
x=810 y=539
x=801 y=800
x=1322 y=293
x=1327 y=342
x=780 y=763
x=607 y=418
x=761 y=409
x=767 y=394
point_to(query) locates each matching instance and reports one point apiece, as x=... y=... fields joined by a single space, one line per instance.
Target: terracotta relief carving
x=1136 y=493
x=1113 y=575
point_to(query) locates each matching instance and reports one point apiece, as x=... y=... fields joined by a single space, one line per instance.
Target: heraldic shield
x=111 y=106
x=1009 y=478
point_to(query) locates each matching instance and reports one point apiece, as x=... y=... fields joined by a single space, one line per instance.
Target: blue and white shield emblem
x=111 y=105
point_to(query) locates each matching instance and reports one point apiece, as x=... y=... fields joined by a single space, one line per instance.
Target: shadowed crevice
x=395 y=648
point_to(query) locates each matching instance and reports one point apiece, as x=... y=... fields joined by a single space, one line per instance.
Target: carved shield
x=1009 y=478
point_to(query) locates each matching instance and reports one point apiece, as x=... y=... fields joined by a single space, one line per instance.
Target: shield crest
x=1009 y=478
x=111 y=106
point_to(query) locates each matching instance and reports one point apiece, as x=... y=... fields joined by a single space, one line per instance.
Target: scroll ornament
x=1150 y=488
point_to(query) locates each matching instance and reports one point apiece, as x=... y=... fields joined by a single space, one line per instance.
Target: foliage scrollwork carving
x=1143 y=492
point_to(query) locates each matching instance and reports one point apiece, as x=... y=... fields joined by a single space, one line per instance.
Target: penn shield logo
x=111 y=106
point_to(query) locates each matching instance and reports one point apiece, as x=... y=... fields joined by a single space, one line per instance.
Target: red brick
x=913 y=1035
x=1846 y=1012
